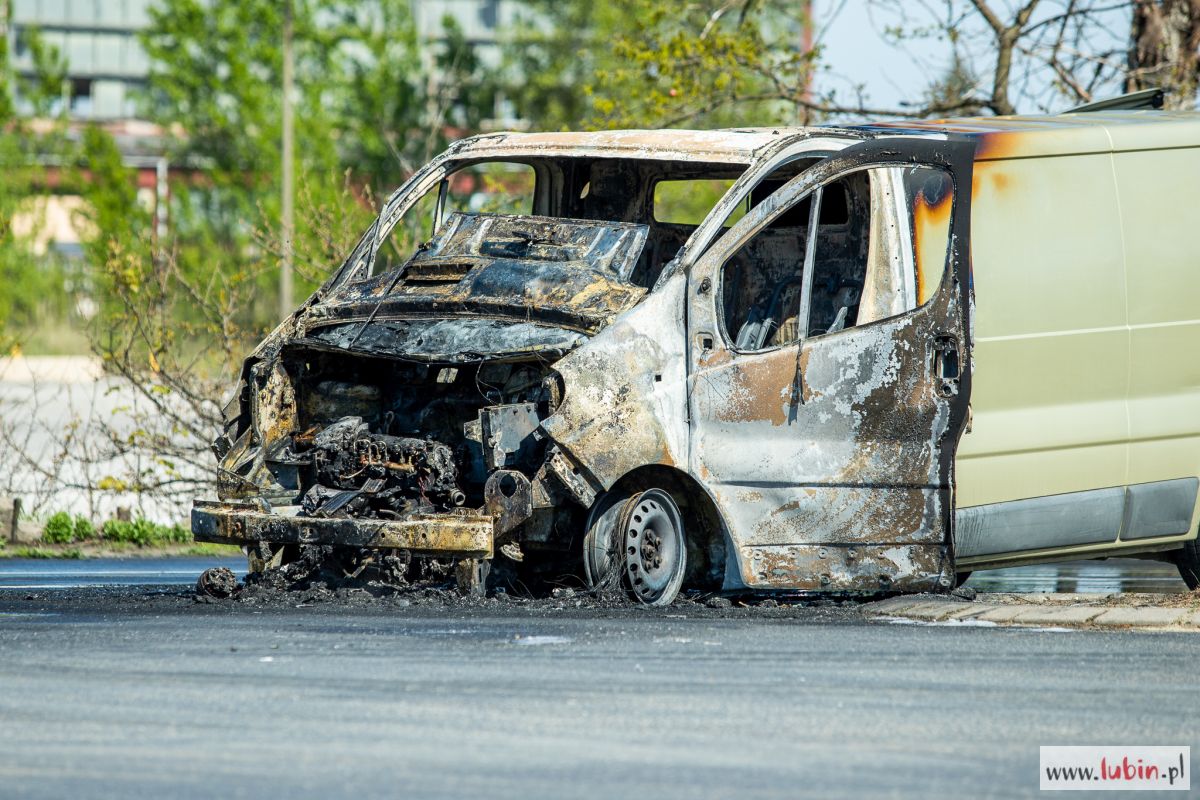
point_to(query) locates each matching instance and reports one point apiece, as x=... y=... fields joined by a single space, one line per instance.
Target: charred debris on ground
x=322 y=576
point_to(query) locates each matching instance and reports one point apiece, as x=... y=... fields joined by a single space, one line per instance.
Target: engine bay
x=383 y=438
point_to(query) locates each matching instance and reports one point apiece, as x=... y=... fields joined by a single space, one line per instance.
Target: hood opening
x=383 y=438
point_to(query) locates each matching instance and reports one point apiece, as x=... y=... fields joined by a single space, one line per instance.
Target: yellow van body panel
x=1161 y=223
x=1087 y=313
x=1051 y=343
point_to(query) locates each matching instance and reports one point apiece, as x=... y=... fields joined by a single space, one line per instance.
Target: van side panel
x=1160 y=210
x=1051 y=343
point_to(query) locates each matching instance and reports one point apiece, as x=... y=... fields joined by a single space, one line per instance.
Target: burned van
x=726 y=360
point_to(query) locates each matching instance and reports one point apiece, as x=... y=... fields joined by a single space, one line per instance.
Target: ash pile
x=326 y=573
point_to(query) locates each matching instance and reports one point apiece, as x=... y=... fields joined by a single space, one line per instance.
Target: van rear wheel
x=1188 y=561
x=638 y=543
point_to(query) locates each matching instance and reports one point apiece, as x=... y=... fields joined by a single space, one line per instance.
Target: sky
x=857 y=52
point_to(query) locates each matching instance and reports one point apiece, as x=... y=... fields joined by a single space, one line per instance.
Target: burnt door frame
x=869 y=507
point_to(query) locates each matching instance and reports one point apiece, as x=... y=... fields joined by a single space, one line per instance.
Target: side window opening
x=840 y=263
x=672 y=198
x=687 y=202
x=879 y=249
x=677 y=207
x=761 y=282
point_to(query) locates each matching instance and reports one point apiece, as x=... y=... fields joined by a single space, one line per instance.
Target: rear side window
x=688 y=202
x=929 y=196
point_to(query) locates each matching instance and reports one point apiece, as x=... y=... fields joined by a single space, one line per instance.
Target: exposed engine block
x=360 y=473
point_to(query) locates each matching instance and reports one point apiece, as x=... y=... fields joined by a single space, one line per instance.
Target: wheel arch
x=709 y=547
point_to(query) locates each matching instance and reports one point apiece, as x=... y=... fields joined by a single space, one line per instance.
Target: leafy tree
x=644 y=63
x=368 y=114
x=553 y=50
x=706 y=63
x=181 y=308
x=1044 y=55
x=30 y=285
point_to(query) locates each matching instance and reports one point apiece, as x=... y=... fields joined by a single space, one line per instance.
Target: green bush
x=117 y=530
x=179 y=534
x=84 y=529
x=142 y=532
x=60 y=529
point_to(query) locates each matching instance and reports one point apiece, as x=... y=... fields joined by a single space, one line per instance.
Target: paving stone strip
x=1058 y=610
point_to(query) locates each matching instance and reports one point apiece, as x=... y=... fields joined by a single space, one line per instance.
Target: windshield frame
x=473 y=151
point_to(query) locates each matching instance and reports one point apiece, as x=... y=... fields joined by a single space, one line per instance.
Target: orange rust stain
x=1006 y=144
x=755 y=388
x=991 y=177
x=931 y=230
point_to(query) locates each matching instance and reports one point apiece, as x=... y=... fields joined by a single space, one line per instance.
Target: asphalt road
x=128 y=692
x=35 y=574
x=1113 y=575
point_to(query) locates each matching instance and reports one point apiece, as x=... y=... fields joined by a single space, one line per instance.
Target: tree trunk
x=1164 y=49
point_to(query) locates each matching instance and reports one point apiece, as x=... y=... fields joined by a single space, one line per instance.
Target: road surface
x=1114 y=575
x=139 y=692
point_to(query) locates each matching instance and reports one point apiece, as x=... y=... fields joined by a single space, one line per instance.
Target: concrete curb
x=1086 y=613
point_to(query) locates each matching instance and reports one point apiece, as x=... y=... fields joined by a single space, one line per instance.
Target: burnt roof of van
x=734 y=146
x=1002 y=137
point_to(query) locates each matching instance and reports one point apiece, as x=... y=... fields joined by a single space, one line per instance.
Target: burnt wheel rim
x=653 y=540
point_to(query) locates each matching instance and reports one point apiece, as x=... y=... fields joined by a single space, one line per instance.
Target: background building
x=107 y=68
x=98 y=39
x=482 y=23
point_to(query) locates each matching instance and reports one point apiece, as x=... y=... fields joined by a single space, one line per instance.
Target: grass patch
x=213 y=549
x=39 y=552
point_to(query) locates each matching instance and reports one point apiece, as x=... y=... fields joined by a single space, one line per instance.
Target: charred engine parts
x=471 y=453
x=509 y=434
x=360 y=473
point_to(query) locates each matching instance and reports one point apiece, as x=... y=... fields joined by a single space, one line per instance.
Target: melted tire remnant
x=218 y=582
x=470 y=576
x=602 y=561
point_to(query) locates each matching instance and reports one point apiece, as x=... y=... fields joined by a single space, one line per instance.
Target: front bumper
x=466 y=534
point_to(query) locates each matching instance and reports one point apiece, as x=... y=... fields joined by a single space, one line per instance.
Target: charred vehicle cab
x=653 y=359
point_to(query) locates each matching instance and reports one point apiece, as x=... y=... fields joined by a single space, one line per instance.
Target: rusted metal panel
x=625 y=403
x=508 y=497
x=733 y=146
x=461 y=533
x=845 y=568
x=857 y=462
